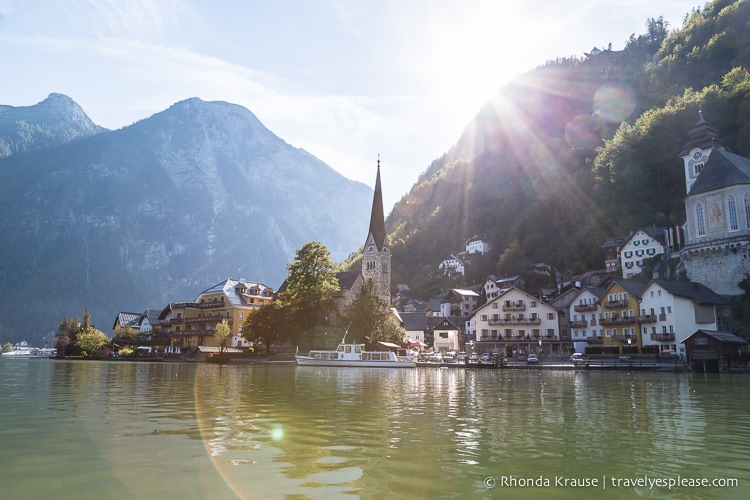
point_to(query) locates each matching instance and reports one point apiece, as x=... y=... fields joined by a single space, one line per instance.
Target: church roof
x=377 y=217
x=703 y=136
x=723 y=169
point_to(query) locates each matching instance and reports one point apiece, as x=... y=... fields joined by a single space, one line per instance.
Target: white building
x=453 y=265
x=641 y=245
x=447 y=337
x=671 y=311
x=459 y=302
x=584 y=311
x=515 y=320
x=476 y=245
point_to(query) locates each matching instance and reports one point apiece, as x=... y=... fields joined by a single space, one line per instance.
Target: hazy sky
x=343 y=79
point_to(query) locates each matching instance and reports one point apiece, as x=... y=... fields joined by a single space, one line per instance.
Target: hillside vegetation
x=577 y=151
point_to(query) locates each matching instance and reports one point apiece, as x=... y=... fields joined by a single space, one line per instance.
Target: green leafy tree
x=68 y=330
x=265 y=325
x=366 y=315
x=222 y=334
x=90 y=341
x=308 y=298
x=125 y=336
x=8 y=347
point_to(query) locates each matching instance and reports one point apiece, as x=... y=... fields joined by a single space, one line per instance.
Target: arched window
x=732 y=210
x=747 y=210
x=700 y=221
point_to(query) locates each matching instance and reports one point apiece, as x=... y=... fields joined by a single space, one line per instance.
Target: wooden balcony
x=514 y=306
x=585 y=308
x=515 y=321
x=662 y=337
x=649 y=318
x=616 y=304
x=617 y=321
x=208 y=319
x=623 y=339
x=192 y=333
x=594 y=340
x=579 y=324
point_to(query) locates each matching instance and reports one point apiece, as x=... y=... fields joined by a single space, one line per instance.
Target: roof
x=698 y=292
x=127 y=319
x=230 y=288
x=632 y=287
x=377 y=217
x=723 y=337
x=347 y=279
x=414 y=321
x=722 y=169
x=702 y=135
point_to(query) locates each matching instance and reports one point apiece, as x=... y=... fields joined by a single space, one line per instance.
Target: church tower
x=702 y=139
x=376 y=259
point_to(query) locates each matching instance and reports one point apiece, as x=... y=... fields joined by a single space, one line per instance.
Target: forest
x=577 y=151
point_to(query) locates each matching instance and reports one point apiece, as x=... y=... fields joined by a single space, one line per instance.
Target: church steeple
x=703 y=138
x=376 y=258
x=377 y=217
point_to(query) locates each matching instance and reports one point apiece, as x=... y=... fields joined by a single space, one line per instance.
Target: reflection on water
x=167 y=430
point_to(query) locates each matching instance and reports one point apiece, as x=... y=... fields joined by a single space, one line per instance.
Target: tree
x=90 y=341
x=367 y=314
x=308 y=298
x=68 y=330
x=222 y=333
x=265 y=325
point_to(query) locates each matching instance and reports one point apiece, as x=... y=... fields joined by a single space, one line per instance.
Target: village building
x=516 y=322
x=459 y=302
x=619 y=304
x=447 y=336
x=584 y=312
x=475 y=244
x=642 y=244
x=673 y=310
x=717 y=206
x=712 y=351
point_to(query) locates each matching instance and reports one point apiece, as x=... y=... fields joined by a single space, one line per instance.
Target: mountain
x=577 y=151
x=56 y=120
x=158 y=211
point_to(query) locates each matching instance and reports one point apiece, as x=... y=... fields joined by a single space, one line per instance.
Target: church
x=717 y=209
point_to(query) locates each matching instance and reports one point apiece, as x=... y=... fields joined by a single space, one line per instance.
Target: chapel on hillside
x=717 y=209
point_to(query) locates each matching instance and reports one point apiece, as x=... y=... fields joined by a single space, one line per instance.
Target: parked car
x=450 y=357
x=435 y=358
x=473 y=357
x=531 y=358
x=576 y=357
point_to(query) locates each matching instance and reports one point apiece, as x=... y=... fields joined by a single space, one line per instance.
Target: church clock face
x=697 y=154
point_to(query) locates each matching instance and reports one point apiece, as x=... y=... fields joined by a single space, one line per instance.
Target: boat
x=354 y=355
x=24 y=350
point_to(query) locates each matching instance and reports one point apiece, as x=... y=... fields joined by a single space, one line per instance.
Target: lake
x=90 y=429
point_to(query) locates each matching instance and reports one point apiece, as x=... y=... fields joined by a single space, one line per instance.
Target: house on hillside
x=475 y=244
x=459 y=302
x=673 y=310
x=611 y=249
x=454 y=265
x=494 y=285
x=642 y=244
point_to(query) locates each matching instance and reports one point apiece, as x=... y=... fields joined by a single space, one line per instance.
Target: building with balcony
x=670 y=311
x=194 y=323
x=459 y=302
x=517 y=321
x=618 y=322
x=584 y=311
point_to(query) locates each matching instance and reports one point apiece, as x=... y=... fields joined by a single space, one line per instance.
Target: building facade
x=376 y=257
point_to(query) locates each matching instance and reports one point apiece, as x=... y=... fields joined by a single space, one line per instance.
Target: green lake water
x=76 y=429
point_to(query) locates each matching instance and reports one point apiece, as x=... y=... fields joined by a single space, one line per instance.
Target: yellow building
x=194 y=323
x=620 y=321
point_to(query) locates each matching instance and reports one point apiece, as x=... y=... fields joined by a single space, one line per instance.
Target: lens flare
x=613 y=102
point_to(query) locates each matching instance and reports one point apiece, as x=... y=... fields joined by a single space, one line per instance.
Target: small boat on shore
x=24 y=350
x=354 y=355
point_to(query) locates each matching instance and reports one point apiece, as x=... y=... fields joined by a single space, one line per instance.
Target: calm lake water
x=73 y=429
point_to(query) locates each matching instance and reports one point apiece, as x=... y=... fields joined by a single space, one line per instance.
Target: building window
x=550 y=315
x=700 y=222
x=732 y=209
x=747 y=210
x=242 y=314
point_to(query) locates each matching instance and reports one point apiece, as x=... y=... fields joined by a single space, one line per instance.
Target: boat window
x=349 y=349
x=358 y=349
x=340 y=348
x=366 y=356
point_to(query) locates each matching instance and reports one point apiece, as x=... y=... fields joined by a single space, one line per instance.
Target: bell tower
x=376 y=258
x=703 y=138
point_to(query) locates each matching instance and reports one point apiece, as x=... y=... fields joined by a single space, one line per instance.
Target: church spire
x=377 y=217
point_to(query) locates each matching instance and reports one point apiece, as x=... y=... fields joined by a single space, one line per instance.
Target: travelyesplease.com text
x=605 y=482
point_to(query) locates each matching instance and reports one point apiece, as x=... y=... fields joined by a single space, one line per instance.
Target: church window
x=698 y=167
x=700 y=222
x=732 y=209
x=747 y=209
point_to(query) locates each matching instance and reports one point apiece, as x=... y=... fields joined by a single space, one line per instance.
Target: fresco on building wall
x=716 y=221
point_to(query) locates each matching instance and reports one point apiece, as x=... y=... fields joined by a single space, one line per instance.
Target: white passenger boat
x=354 y=355
x=24 y=350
